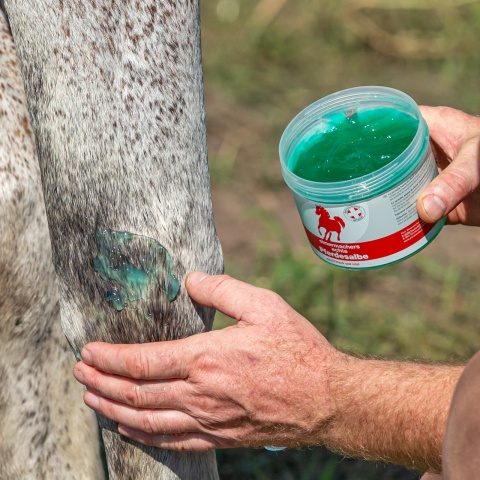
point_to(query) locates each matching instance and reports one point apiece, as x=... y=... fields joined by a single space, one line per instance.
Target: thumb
x=458 y=180
x=234 y=298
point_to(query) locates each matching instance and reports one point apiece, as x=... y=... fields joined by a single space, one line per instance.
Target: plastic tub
x=369 y=220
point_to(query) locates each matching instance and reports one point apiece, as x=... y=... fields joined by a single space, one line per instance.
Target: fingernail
x=434 y=207
x=195 y=278
x=87 y=356
x=78 y=374
x=91 y=400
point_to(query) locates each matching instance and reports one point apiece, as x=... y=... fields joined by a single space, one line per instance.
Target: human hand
x=456 y=142
x=261 y=382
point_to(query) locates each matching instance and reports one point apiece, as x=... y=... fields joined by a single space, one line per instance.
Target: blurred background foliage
x=266 y=60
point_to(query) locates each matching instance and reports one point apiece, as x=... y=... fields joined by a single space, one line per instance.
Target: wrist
x=331 y=401
x=389 y=411
x=339 y=376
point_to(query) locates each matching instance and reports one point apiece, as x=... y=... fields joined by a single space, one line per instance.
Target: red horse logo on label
x=330 y=225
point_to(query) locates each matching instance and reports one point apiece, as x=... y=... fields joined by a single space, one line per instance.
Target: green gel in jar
x=353 y=144
x=356 y=162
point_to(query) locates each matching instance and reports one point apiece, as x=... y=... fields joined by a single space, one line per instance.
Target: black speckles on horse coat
x=115 y=96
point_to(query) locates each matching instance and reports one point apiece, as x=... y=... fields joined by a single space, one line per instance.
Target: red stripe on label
x=382 y=247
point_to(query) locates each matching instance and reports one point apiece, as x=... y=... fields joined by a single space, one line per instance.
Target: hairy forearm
x=390 y=411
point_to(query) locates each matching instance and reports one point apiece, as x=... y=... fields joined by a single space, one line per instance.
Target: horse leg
x=116 y=100
x=46 y=430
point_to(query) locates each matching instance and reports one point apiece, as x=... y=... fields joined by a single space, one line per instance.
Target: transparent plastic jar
x=370 y=221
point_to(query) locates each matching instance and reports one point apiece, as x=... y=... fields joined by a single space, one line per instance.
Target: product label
x=375 y=232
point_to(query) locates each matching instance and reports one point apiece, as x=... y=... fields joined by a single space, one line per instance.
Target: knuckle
x=459 y=181
x=137 y=365
x=221 y=286
x=275 y=298
x=149 y=441
x=181 y=447
x=134 y=396
x=109 y=410
x=95 y=383
x=204 y=405
x=206 y=362
x=266 y=299
x=149 y=422
x=202 y=409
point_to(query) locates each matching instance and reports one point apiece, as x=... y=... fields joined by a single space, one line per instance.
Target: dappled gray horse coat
x=115 y=97
x=45 y=430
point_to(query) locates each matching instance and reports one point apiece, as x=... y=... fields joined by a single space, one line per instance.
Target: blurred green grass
x=266 y=60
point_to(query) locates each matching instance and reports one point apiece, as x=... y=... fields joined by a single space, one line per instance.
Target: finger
x=188 y=442
x=147 y=361
x=450 y=128
x=151 y=421
x=136 y=393
x=236 y=299
x=453 y=184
